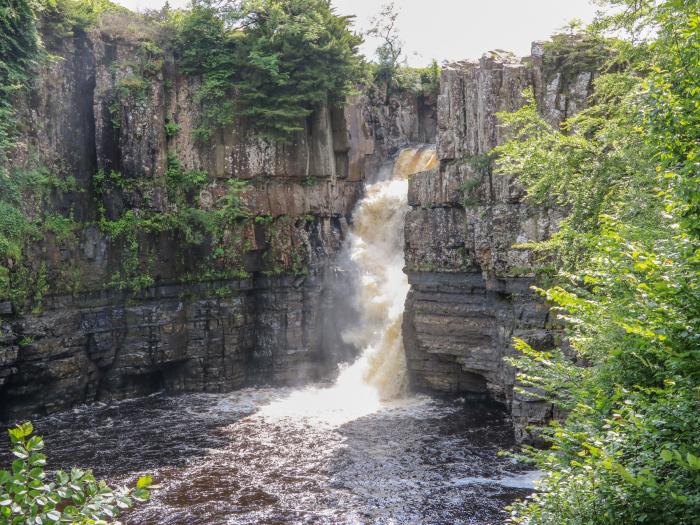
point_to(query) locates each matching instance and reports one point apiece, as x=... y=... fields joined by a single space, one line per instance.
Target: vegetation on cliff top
x=389 y=69
x=629 y=281
x=281 y=59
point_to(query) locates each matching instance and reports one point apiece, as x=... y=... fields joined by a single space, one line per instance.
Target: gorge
x=381 y=239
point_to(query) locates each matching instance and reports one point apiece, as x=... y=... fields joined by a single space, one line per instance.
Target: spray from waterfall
x=375 y=248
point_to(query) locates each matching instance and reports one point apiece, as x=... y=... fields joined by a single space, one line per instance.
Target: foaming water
x=358 y=451
x=375 y=248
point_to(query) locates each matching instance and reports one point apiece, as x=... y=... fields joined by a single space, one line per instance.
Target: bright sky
x=455 y=29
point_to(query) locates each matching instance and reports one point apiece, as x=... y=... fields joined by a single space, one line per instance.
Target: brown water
x=359 y=450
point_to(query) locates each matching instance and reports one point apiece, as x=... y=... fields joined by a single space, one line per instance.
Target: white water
x=375 y=246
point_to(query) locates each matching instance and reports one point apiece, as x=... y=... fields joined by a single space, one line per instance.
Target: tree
x=390 y=50
x=628 y=288
x=280 y=59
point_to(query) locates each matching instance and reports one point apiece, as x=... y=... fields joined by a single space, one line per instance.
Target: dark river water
x=276 y=456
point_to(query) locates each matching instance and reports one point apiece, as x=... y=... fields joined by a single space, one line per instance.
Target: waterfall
x=375 y=247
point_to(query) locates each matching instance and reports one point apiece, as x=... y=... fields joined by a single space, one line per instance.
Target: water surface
x=235 y=459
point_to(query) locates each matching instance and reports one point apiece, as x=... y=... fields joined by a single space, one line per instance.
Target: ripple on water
x=264 y=456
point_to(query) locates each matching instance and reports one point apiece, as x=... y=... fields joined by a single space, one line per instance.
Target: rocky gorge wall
x=470 y=285
x=120 y=310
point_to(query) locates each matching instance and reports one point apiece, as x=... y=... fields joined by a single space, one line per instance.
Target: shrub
x=29 y=495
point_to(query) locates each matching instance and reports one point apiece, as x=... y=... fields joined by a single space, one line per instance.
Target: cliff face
x=470 y=288
x=130 y=304
x=115 y=119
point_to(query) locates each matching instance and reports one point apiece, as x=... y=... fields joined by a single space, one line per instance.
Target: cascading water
x=375 y=249
x=362 y=450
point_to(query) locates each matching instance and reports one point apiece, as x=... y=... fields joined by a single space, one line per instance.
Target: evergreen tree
x=271 y=62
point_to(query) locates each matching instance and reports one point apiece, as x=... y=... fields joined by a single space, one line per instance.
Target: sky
x=449 y=30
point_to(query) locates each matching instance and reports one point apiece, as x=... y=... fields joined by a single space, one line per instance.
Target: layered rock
x=470 y=284
x=102 y=109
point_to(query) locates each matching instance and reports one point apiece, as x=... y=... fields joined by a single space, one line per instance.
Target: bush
x=629 y=282
x=29 y=495
x=281 y=59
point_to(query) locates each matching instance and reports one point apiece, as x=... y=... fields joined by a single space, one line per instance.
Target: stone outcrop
x=104 y=106
x=470 y=286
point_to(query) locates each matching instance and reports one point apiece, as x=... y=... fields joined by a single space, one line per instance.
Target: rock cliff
x=133 y=297
x=470 y=285
x=124 y=304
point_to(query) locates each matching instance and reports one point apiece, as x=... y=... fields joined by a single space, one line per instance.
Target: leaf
x=35 y=443
x=144 y=482
x=693 y=461
x=37 y=460
x=17 y=466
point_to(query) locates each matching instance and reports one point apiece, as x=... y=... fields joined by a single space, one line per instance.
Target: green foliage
x=309 y=182
x=390 y=50
x=129 y=229
x=629 y=285
x=19 y=48
x=280 y=58
x=232 y=208
x=263 y=219
x=430 y=79
x=574 y=52
x=171 y=129
x=29 y=495
x=64 y=228
x=26 y=217
x=184 y=218
x=62 y=19
x=133 y=82
x=424 y=81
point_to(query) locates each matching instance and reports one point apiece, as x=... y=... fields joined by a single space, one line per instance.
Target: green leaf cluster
x=28 y=494
x=61 y=19
x=269 y=62
x=628 y=289
x=19 y=49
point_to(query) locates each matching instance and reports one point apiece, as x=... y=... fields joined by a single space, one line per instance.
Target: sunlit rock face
x=470 y=287
x=185 y=332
